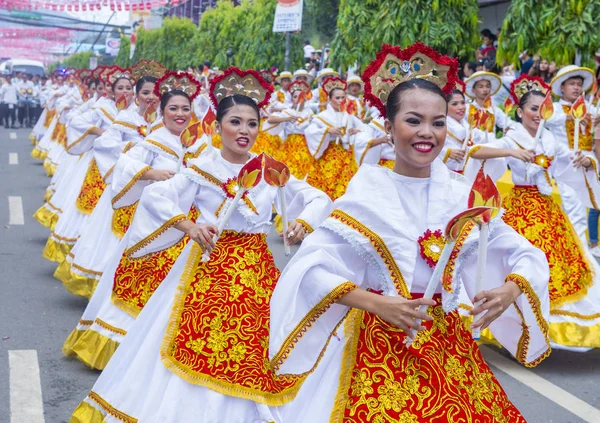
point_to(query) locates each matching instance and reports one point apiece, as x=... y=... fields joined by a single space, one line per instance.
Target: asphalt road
x=38 y=384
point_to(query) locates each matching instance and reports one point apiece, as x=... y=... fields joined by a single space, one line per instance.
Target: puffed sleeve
x=307 y=205
x=79 y=132
x=522 y=329
x=107 y=149
x=161 y=206
x=127 y=185
x=304 y=308
x=317 y=138
x=585 y=182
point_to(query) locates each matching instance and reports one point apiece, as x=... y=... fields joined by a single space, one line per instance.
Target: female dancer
x=349 y=296
x=290 y=125
x=204 y=342
x=330 y=136
x=158 y=157
x=83 y=267
x=574 y=290
x=86 y=186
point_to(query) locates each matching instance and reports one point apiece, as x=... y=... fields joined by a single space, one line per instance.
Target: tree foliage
x=122 y=58
x=558 y=30
x=449 y=26
x=317 y=18
x=244 y=29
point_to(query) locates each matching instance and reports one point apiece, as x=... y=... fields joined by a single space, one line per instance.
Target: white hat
x=494 y=79
x=304 y=73
x=282 y=75
x=569 y=72
x=355 y=79
x=324 y=73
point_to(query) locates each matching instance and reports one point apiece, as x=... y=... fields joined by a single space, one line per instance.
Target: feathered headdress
x=394 y=65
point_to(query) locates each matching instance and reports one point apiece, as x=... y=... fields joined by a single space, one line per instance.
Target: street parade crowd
x=438 y=207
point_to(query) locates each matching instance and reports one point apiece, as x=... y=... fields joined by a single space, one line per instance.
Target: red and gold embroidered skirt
x=442 y=377
x=91 y=190
x=137 y=279
x=296 y=156
x=218 y=333
x=542 y=221
x=121 y=219
x=333 y=171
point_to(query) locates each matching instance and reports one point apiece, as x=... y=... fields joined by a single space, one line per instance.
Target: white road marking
x=13 y=158
x=26 y=405
x=13 y=135
x=568 y=401
x=15 y=209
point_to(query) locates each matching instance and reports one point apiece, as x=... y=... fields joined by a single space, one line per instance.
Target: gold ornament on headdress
x=147 y=68
x=97 y=72
x=105 y=73
x=334 y=82
x=182 y=81
x=118 y=73
x=237 y=81
x=395 y=65
x=525 y=83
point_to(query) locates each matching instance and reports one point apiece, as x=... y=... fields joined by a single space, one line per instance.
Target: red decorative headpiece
x=118 y=73
x=299 y=85
x=183 y=81
x=267 y=76
x=526 y=83
x=461 y=86
x=334 y=82
x=237 y=81
x=394 y=65
x=147 y=68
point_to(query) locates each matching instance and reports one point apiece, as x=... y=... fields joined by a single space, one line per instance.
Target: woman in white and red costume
x=346 y=300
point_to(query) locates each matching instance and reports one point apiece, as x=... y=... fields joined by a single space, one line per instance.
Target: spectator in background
x=541 y=69
x=487 y=49
x=526 y=62
x=308 y=51
x=8 y=98
x=469 y=69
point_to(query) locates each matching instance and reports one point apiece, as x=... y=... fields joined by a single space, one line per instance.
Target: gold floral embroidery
x=91 y=190
x=148 y=240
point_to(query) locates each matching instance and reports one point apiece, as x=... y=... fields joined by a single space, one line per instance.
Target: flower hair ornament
x=117 y=73
x=334 y=82
x=394 y=65
x=182 y=81
x=237 y=81
x=525 y=83
x=147 y=68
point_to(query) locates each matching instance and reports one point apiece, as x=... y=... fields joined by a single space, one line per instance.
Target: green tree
x=265 y=48
x=79 y=60
x=558 y=30
x=317 y=20
x=449 y=26
x=122 y=58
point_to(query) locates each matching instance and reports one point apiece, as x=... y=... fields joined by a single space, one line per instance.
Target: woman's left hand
x=580 y=160
x=297 y=232
x=495 y=302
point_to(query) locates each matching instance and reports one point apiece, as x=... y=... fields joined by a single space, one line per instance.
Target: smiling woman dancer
x=346 y=300
x=197 y=351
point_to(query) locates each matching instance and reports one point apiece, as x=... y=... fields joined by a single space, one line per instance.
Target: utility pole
x=288 y=46
x=101 y=32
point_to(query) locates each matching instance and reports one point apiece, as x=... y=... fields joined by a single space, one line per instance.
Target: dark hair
x=234 y=100
x=471 y=66
x=525 y=99
x=91 y=81
x=169 y=95
x=455 y=92
x=392 y=106
x=330 y=95
x=144 y=79
x=487 y=33
x=114 y=84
